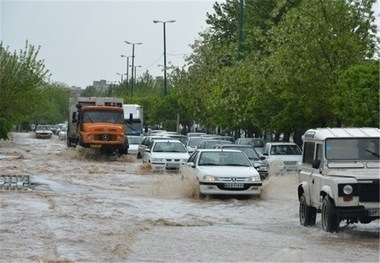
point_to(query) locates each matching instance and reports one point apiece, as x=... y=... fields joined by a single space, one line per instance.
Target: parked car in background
x=287 y=155
x=58 y=128
x=210 y=144
x=166 y=155
x=180 y=137
x=195 y=134
x=258 y=143
x=223 y=172
x=192 y=143
x=43 y=132
x=62 y=134
x=146 y=141
x=134 y=142
x=255 y=159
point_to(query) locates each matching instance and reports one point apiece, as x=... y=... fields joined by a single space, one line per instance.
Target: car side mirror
x=266 y=154
x=262 y=157
x=191 y=164
x=316 y=164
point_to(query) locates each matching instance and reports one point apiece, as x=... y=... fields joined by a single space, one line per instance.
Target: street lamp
x=121 y=77
x=133 y=59
x=134 y=75
x=124 y=56
x=164 y=25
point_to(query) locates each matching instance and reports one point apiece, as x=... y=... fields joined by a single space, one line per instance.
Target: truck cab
x=97 y=122
x=339 y=176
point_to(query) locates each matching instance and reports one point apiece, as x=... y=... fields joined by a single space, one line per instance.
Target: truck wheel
x=69 y=142
x=307 y=213
x=330 y=221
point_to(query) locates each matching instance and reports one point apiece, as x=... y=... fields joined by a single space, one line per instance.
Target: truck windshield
x=134 y=128
x=103 y=116
x=353 y=149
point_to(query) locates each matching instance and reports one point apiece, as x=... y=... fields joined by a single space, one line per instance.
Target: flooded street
x=86 y=207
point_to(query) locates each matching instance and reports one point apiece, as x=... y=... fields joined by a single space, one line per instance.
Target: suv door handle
x=312 y=181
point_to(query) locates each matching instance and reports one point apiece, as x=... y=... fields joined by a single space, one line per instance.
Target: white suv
x=339 y=176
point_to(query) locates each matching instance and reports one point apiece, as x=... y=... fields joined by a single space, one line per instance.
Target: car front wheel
x=330 y=221
x=307 y=213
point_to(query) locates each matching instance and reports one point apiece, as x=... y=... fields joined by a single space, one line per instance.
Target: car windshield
x=194 y=141
x=182 y=139
x=249 y=151
x=352 y=149
x=103 y=116
x=169 y=147
x=212 y=144
x=42 y=128
x=223 y=158
x=258 y=142
x=285 y=149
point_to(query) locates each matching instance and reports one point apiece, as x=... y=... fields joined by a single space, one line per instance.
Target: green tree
x=311 y=47
x=356 y=95
x=21 y=75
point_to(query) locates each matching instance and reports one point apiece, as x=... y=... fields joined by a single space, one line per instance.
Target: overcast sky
x=81 y=41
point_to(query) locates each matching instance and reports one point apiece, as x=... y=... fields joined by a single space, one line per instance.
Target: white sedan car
x=43 y=132
x=224 y=172
x=286 y=155
x=166 y=155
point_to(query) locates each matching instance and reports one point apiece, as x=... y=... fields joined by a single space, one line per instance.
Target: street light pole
x=121 y=77
x=164 y=27
x=135 y=69
x=124 y=56
x=133 y=60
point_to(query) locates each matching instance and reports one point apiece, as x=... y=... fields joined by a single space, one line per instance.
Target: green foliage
x=20 y=77
x=305 y=64
x=356 y=95
x=294 y=56
x=52 y=105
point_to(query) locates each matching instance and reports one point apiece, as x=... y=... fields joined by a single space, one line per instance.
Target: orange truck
x=97 y=122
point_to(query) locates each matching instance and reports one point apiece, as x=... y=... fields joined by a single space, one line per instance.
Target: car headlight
x=254 y=178
x=262 y=168
x=347 y=189
x=210 y=178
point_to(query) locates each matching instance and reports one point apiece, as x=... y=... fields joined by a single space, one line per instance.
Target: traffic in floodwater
x=94 y=208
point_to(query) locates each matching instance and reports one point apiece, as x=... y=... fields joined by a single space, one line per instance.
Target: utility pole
x=164 y=26
x=240 y=45
x=133 y=61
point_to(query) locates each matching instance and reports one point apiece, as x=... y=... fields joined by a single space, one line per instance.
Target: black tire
x=330 y=221
x=138 y=156
x=307 y=213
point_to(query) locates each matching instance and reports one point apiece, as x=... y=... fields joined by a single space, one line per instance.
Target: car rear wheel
x=330 y=221
x=307 y=213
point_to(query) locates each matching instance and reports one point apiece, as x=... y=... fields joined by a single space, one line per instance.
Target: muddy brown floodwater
x=89 y=208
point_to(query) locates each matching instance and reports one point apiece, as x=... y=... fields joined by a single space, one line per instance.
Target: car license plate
x=172 y=165
x=374 y=212
x=233 y=185
x=95 y=146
